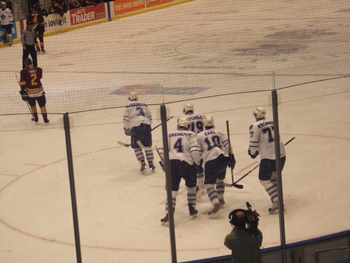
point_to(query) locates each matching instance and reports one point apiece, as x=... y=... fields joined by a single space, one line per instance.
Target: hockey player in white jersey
x=137 y=124
x=184 y=158
x=6 y=22
x=262 y=142
x=214 y=146
x=197 y=126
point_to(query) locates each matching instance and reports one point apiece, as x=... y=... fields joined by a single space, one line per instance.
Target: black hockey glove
x=253 y=155
x=24 y=95
x=199 y=169
x=231 y=161
x=127 y=132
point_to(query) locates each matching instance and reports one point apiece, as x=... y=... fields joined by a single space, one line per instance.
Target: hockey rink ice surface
x=120 y=209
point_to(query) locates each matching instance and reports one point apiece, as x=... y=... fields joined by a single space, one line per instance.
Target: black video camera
x=253 y=220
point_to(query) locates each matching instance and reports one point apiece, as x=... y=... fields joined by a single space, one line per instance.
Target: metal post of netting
x=72 y=186
x=278 y=169
x=168 y=183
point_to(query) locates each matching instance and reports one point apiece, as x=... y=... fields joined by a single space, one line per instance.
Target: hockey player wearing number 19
x=262 y=142
x=137 y=124
x=184 y=158
x=215 y=148
x=197 y=126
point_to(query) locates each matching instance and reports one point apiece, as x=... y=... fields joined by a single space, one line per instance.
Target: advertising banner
x=87 y=14
x=153 y=3
x=127 y=6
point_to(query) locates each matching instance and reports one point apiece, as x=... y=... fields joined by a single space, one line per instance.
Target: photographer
x=245 y=238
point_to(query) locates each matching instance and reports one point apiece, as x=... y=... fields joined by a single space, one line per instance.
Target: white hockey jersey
x=183 y=146
x=197 y=122
x=135 y=113
x=262 y=140
x=213 y=143
x=6 y=16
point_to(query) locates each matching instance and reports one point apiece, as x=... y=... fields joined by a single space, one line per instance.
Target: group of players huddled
x=199 y=153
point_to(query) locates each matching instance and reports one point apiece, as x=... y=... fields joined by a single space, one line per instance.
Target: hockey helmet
x=3 y=3
x=187 y=108
x=209 y=122
x=28 y=62
x=133 y=95
x=259 y=113
x=184 y=122
x=30 y=23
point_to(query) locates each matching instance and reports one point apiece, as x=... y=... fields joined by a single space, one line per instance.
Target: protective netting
x=196 y=50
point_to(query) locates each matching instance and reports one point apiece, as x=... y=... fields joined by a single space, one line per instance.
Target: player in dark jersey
x=37 y=18
x=32 y=89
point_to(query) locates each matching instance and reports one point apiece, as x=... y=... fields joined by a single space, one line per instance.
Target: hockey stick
x=234 y=184
x=255 y=167
x=129 y=144
x=26 y=101
x=161 y=162
x=161 y=124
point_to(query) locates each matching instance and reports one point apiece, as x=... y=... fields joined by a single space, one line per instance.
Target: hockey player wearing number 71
x=137 y=124
x=262 y=142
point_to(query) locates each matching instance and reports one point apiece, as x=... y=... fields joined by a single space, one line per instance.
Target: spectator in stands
x=58 y=7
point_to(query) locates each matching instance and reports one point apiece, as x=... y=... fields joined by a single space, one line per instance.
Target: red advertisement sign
x=87 y=14
x=152 y=3
x=127 y=6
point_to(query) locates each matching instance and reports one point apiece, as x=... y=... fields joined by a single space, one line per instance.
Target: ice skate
x=143 y=167
x=217 y=207
x=151 y=166
x=46 y=120
x=222 y=201
x=274 y=208
x=165 y=220
x=193 y=211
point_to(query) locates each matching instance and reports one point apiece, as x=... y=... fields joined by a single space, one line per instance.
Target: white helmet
x=209 y=122
x=259 y=113
x=188 y=107
x=184 y=122
x=133 y=95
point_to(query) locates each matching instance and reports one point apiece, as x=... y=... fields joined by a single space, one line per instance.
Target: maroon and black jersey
x=30 y=81
x=36 y=17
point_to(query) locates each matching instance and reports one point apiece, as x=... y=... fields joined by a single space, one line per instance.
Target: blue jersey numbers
x=140 y=110
x=178 y=145
x=197 y=127
x=269 y=132
x=212 y=142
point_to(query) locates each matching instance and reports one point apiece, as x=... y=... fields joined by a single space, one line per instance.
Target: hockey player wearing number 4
x=137 y=124
x=184 y=158
x=262 y=142
x=197 y=126
x=215 y=148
